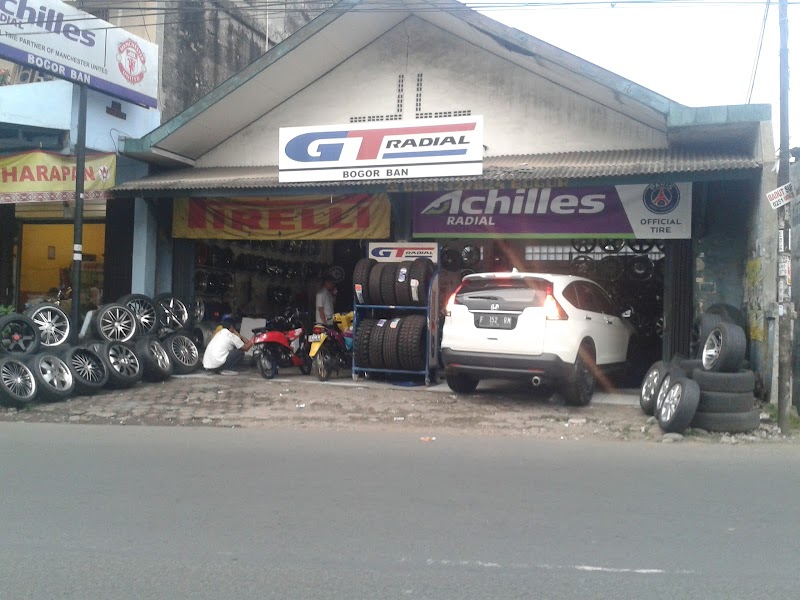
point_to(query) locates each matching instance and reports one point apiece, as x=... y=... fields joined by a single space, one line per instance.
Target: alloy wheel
x=174 y=311
x=123 y=360
x=17 y=336
x=53 y=325
x=144 y=312
x=184 y=350
x=88 y=366
x=160 y=355
x=117 y=324
x=711 y=349
x=671 y=402
x=18 y=380
x=55 y=372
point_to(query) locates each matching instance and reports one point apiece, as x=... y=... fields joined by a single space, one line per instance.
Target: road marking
x=584 y=568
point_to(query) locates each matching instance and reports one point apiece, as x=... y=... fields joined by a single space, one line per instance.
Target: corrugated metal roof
x=535 y=170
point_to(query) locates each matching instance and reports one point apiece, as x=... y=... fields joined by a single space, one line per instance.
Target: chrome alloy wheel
x=17 y=336
x=199 y=310
x=123 y=360
x=184 y=350
x=88 y=366
x=18 y=379
x=160 y=355
x=144 y=312
x=118 y=324
x=672 y=400
x=711 y=349
x=55 y=372
x=53 y=325
x=650 y=384
x=175 y=312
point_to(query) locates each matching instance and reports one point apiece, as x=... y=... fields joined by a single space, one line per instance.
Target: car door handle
x=588 y=318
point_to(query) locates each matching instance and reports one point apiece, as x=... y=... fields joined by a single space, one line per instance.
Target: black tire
x=88 y=370
x=391 y=354
x=651 y=385
x=679 y=407
x=413 y=343
x=114 y=323
x=690 y=365
x=724 y=348
x=182 y=352
x=421 y=271
x=53 y=324
x=144 y=309
x=729 y=313
x=308 y=364
x=376 y=344
x=122 y=363
x=461 y=383
x=17 y=383
x=640 y=246
x=726 y=402
x=580 y=386
x=361 y=343
x=667 y=380
x=709 y=381
x=19 y=335
x=701 y=327
x=156 y=364
x=402 y=287
x=388 y=279
x=361 y=278
x=322 y=364
x=267 y=364
x=172 y=312
x=375 y=276
x=728 y=422
x=53 y=377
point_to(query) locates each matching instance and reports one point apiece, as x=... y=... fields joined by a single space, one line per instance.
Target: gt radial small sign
x=369 y=151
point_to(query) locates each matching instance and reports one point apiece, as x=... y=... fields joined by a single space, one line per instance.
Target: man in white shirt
x=324 y=312
x=226 y=348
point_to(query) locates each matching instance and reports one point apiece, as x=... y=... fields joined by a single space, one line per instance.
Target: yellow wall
x=38 y=273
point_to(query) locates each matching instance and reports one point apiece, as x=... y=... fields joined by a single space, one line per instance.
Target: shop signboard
x=442 y=147
x=39 y=176
x=58 y=39
x=658 y=210
x=781 y=196
x=355 y=217
x=400 y=251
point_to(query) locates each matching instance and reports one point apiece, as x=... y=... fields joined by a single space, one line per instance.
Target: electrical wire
x=758 y=54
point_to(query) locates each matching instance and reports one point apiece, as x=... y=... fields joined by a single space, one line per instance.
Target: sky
x=697 y=53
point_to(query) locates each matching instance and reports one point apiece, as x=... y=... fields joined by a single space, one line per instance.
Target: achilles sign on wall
x=658 y=210
x=370 y=151
x=58 y=39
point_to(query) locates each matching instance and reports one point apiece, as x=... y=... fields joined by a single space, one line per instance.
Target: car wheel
x=461 y=383
x=679 y=406
x=114 y=323
x=18 y=335
x=375 y=276
x=123 y=365
x=53 y=377
x=155 y=361
x=701 y=327
x=361 y=280
x=182 y=352
x=388 y=280
x=650 y=387
x=580 y=387
x=728 y=422
x=17 y=383
x=172 y=312
x=144 y=310
x=667 y=380
x=52 y=322
x=87 y=368
x=724 y=348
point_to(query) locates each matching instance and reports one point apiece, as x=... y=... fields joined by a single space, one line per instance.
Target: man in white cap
x=226 y=348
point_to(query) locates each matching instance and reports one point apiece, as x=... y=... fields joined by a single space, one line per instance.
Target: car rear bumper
x=548 y=367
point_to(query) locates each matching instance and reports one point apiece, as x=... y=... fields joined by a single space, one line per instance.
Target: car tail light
x=552 y=309
x=451 y=302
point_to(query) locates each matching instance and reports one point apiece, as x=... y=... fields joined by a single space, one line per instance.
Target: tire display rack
x=425 y=303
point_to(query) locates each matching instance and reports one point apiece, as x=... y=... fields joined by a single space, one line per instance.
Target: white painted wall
x=523 y=112
x=103 y=130
x=45 y=104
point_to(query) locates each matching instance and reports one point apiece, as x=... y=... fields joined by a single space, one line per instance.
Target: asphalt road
x=91 y=512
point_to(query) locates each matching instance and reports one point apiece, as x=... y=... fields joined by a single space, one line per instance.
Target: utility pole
x=786 y=311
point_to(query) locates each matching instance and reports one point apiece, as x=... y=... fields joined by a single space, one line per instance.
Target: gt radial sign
x=58 y=39
x=422 y=148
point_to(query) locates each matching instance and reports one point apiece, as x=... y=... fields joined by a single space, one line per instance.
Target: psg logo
x=661 y=198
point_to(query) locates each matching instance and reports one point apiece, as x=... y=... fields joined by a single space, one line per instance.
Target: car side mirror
x=627 y=314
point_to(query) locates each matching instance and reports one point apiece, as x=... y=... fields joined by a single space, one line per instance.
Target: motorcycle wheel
x=267 y=365
x=305 y=368
x=322 y=365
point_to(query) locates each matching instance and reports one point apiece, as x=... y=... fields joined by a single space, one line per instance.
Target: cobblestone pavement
x=302 y=402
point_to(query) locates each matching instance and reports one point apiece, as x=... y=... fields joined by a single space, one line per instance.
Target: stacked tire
x=392 y=284
x=396 y=344
x=711 y=390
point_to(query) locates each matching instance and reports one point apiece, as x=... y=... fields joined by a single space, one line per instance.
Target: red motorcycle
x=281 y=343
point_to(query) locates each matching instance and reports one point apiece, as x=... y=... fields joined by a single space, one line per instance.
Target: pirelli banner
x=39 y=176
x=356 y=216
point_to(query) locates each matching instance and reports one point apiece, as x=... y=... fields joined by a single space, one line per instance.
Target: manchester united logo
x=131 y=61
x=661 y=198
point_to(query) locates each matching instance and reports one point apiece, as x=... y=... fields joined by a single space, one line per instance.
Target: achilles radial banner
x=657 y=210
x=357 y=216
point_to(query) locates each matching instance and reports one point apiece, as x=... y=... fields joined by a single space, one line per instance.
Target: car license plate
x=485 y=321
x=314 y=337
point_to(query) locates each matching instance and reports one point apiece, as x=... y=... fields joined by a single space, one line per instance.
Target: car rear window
x=509 y=294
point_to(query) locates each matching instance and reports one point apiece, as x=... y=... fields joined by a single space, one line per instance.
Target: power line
x=758 y=54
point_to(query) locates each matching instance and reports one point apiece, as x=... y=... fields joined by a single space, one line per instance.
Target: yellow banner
x=355 y=216
x=38 y=171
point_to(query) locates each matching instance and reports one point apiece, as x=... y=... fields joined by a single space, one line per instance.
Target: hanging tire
x=580 y=386
x=584 y=246
x=156 y=364
x=701 y=327
x=582 y=265
x=729 y=313
x=391 y=356
x=114 y=323
x=53 y=377
x=53 y=324
x=267 y=364
x=667 y=380
x=640 y=246
x=376 y=344
x=724 y=348
x=651 y=385
x=726 y=402
x=144 y=309
x=375 y=276
x=413 y=345
x=172 y=312
x=361 y=280
x=420 y=274
x=402 y=287
x=88 y=370
x=461 y=383
x=727 y=422
x=182 y=352
x=679 y=406
x=123 y=365
x=361 y=343
x=17 y=383
x=388 y=279
x=709 y=381
x=322 y=364
x=18 y=335
x=612 y=246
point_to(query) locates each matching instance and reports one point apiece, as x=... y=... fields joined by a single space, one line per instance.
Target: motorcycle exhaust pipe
x=536 y=381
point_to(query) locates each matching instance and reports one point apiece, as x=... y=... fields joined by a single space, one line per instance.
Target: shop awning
x=536 y=170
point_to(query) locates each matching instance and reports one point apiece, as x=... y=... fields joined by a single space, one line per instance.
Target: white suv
x=547 y=329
